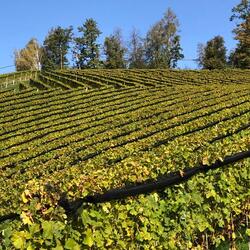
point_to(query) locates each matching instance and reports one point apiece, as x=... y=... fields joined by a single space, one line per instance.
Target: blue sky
x=200 y=20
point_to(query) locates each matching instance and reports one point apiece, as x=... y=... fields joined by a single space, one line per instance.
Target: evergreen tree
x=136 y=53
x=56 y=47
x=240 y=57
x=213 y=55
x=114 y=51
x=86 y=50
x=29 y=58
x=162 y=44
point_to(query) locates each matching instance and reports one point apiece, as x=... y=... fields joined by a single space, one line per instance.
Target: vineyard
x=94 y=79
x=67 y=135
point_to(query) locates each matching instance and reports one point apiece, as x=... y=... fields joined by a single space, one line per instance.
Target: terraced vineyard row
x=81 y=129
x=108 y=129
x=17 y=81
x=89 y=79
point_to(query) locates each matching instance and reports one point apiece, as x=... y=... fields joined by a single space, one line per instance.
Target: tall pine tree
x=114 y=51
x=86 y=51
x=56 y=46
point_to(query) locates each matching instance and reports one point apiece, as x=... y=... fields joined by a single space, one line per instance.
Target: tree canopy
x=163 y=48
x=56 y=46
x=114 y=51
x=29 y=58
x=160 y=48
x=213 y=54
x=240 y=57
x=136 y=51
x=86 y=51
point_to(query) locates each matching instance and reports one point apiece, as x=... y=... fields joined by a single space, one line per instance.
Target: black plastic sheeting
x=149 y=186
x=163 y=182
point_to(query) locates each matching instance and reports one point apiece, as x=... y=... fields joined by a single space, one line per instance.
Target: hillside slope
x=136 y=126
x=92 y=79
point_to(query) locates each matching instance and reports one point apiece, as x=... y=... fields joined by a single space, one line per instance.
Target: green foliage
x=213 y=55
x=186 y=216
x=240 y=57
x=137 y=51
x=86 y=51
x=55 y=48
x=138 y=125
x=114 y=51
x=162 y=46
x=92 y=79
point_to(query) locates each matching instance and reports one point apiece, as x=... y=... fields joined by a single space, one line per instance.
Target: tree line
x=160 y=48
x=212 y=55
